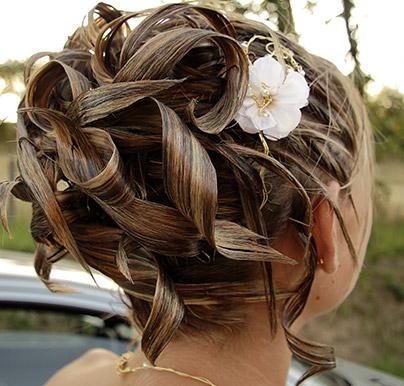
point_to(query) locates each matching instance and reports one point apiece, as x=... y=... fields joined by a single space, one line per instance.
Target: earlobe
x=323 y=234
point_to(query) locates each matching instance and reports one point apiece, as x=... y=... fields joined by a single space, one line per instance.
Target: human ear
x=323 y=229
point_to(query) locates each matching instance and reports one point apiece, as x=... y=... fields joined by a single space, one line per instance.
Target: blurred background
x=363 y=39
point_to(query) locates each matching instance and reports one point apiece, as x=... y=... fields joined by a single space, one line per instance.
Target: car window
x=34 y=343
x=40 y=320
x=19 y=319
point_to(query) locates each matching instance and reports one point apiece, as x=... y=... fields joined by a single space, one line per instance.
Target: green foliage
x=384 y=240
x=279 y=12
x=7 y=131
x=359 y=77
x=386 y=112
x=385 y=250
x=394 y=285
x=11 y=68
x=284 y=15
x=20 y=238
x=389 y=363
x=311 y=6
x=11 y=71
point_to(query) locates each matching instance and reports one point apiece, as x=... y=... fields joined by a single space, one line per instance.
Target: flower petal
x=268 y=70
x=248 y=102
x=246 y=123
x=264 y=122
x=294 y=90
x=287 y=119
x=254 y=78
x=251 y=110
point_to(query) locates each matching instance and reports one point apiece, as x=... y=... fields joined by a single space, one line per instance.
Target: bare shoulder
x=95 y=367
x=98 y=353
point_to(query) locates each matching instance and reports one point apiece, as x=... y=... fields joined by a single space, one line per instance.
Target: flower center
x=264 y=99
x=263 y=102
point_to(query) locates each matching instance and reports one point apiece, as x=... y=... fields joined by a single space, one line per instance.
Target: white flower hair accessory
x=274 y=97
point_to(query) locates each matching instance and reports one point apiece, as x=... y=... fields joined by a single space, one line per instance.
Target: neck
x=251 y=357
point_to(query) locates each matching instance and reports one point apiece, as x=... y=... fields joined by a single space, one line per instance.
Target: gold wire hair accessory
x=271 y=47
x=277 y=90
x=265 y=191
x=122 y=368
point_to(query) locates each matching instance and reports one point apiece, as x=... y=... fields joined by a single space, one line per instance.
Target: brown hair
x=130 y=155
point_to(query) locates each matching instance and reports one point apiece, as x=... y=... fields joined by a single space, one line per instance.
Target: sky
x=43 y=25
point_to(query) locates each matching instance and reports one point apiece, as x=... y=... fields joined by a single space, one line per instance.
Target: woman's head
x=130 y=154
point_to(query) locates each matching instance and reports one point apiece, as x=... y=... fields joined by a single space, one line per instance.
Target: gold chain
x=121 y=368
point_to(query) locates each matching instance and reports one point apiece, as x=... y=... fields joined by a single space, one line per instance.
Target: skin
x=252 y=357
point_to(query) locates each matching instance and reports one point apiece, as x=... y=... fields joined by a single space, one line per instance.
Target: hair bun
x=130 y=155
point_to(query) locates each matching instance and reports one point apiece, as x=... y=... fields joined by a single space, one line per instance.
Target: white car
x=30 y=352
